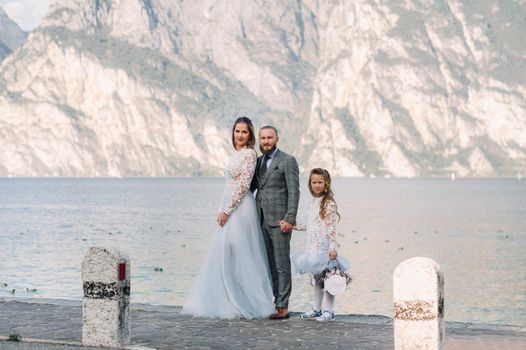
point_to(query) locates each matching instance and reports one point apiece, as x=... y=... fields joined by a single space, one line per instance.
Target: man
x=277 y=182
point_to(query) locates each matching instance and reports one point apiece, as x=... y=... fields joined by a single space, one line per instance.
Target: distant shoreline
x=302 y=175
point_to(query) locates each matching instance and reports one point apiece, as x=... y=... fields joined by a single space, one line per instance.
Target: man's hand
x=285 y=227
x=222 y=218
x=333 y=254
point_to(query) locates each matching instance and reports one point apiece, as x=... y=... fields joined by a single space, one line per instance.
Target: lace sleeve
x=300 y=227
x=243 y=178
x=330 y=220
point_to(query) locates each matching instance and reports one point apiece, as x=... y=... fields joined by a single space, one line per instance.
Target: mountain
x=11 y=36
x=4 y=50
x=150 y=88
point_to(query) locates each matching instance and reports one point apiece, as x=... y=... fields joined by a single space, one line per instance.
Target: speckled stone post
x=106 y=304
x=418 y=291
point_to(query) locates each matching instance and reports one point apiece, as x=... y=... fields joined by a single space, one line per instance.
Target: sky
x=26 y=13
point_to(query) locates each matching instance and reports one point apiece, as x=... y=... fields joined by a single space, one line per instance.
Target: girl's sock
x=318 y=297
x=329 y=301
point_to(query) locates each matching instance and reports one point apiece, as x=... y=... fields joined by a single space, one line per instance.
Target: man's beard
x=267 y=152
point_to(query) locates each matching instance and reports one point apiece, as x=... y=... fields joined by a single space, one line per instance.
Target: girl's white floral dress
x=320 y=238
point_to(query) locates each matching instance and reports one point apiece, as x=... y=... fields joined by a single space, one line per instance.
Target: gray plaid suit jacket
x=278 y=190
x=277 y=198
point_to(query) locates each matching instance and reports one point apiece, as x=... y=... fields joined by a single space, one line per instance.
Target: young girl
x=320 y=248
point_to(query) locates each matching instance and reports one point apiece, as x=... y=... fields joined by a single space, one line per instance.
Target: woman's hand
x=333 y=254
x=222 y=218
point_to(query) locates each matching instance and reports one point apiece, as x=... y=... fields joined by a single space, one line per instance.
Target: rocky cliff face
x=11 y=36
x=144 y=87
x=420 y=88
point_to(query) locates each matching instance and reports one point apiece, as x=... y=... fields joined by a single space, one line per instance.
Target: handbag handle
x=337 y=264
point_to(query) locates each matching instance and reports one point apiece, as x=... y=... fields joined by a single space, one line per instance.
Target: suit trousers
x=278 y=251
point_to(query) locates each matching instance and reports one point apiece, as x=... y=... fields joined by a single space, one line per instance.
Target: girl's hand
x=222 y=218
x=333 y=254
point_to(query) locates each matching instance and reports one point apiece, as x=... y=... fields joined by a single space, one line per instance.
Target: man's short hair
x=270 y=127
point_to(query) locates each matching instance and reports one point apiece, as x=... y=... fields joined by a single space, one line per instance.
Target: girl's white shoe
x=311 y=314
x=327 y=316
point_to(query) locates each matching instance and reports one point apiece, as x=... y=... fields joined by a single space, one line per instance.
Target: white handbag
x=335 y=281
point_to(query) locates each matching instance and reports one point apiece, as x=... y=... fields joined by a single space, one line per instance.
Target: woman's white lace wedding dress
x=234 y=281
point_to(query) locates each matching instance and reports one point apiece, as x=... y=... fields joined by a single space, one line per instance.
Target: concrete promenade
x=59 y=325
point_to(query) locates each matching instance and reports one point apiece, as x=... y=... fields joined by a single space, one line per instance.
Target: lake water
x=475 y=229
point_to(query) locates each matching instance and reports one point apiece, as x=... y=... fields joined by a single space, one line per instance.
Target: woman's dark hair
x=252 y=137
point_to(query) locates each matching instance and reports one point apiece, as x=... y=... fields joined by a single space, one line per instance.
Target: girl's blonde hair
x=327 y=194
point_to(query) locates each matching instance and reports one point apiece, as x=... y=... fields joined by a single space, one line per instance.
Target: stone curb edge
x=71 y=343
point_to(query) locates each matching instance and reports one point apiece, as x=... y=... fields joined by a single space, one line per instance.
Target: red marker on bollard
x=122 y=271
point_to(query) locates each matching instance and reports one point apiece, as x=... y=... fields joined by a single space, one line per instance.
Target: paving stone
x=164 y=328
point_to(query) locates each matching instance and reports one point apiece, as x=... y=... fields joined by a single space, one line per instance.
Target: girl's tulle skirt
x=316 y=262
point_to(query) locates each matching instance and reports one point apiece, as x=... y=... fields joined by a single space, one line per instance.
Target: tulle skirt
x=315 y=262
x=234 y=281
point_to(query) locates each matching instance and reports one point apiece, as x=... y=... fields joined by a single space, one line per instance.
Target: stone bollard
x=106 y=304
x=418 y=291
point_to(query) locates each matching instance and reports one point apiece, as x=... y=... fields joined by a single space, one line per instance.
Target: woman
x=234 y=281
